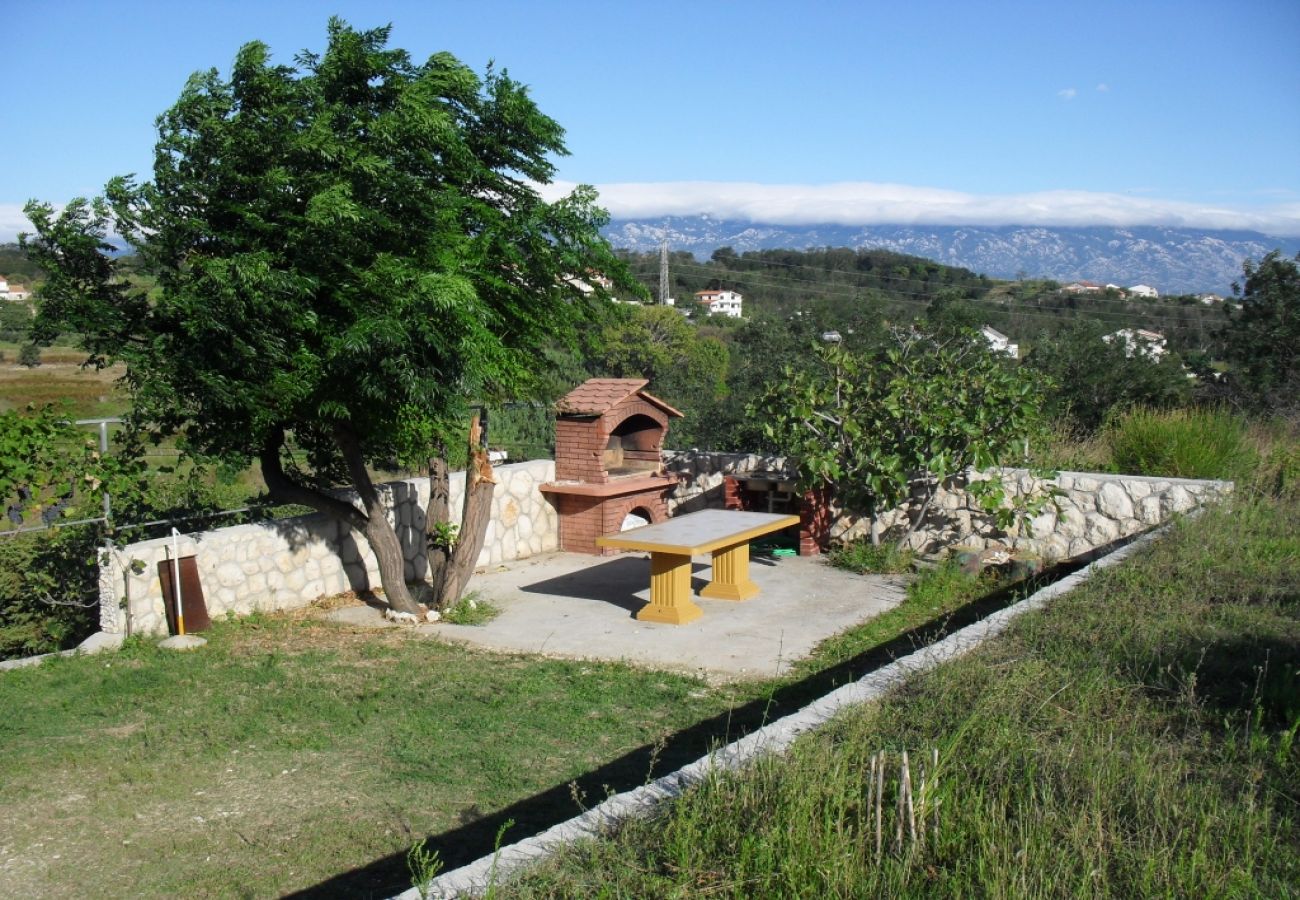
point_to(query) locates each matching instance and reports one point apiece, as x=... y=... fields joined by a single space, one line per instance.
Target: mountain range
x=1173 y=260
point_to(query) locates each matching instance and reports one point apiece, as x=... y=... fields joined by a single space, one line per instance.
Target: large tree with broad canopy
x=347 y=250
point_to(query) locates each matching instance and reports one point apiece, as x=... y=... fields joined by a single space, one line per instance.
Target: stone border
x=478 y=877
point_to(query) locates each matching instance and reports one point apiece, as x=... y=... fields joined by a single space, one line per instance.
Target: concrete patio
x=577 y=606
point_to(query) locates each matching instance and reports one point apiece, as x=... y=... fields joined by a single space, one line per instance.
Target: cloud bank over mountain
x=871 y=203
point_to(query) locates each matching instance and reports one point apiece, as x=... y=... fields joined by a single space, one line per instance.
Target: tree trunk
x=920 y=517
x=476 y=512
x=436 y=513
x=372 y=523
x=378 y=530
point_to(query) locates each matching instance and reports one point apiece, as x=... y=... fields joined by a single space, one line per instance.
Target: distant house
x=1208 y=299
x=1000 y=343
x=1082 y=287
x=724 y=303
x=12 y=290
x=1149 y=343
x=1144 y=290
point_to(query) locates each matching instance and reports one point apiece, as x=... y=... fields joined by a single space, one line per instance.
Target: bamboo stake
x=900 y=808
x=871 y=794
x=880 y=798
x=922 y=799
x=935 y=788
x=907 y=792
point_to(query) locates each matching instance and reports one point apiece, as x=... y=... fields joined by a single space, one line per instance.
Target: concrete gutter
x=477 y=877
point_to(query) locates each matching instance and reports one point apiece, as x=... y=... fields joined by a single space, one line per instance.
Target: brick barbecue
x=609 y=438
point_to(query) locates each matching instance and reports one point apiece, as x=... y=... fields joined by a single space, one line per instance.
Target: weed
x=1181 y=443
x=865 y=558
x=424 y=866
x=470 y=610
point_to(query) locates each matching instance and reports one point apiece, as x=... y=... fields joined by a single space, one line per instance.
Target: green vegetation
x=866 y=558
x=1136 y=738
x=292 y=750
x=872 y=428
x=1184 y=443
x=296 y=298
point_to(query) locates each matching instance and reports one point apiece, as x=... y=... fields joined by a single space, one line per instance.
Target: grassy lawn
x=293 y=752
x=1136 y=738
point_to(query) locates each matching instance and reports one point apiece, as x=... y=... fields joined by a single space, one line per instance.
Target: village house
x=1144 y=290
x=1149 y=343
x=1082 y=287
x=1209 y=299
x=1000 y=343
x=12 y=290
x=724 y=303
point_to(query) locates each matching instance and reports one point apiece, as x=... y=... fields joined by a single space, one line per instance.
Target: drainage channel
x=991 y=616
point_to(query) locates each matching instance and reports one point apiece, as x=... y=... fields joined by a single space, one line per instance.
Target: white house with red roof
x=721 y=303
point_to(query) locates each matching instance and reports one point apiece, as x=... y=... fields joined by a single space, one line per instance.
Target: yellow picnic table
x=671 y=544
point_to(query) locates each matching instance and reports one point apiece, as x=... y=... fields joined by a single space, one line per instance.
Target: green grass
x=1183 y=443
x=863 y=557
x=289 y=751
x=315 y=753
x=1136 y=738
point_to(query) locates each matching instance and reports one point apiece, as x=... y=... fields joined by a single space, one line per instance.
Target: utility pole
x=663 y=273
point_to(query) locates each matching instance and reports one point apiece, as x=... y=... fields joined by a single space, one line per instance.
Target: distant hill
x=1174 y=260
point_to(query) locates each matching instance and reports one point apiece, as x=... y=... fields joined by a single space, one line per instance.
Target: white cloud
x=1067 y=93
x=1103 y=87
x=12 y=221
x=869 y=203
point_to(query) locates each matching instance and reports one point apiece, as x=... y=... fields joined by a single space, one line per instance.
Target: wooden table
x=671 y=544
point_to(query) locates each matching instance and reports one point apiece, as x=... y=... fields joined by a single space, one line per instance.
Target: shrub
x=1181 y=443
x=29 y=356
x=862 y=557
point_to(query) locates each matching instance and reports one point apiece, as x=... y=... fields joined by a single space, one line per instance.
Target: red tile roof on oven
x=597 y=396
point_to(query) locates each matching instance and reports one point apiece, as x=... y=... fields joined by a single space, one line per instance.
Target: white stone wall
x=288 y=563
x=701 y=473
x=1089 y=510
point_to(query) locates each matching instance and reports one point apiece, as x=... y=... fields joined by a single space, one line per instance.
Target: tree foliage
x=1094 y=378
x=872 y=426
x=346 y=251
x=1263 y=339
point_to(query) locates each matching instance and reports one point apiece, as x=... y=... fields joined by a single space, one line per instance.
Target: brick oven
x=609 y=437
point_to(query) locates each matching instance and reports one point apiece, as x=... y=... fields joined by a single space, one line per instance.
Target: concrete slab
x=582 y=607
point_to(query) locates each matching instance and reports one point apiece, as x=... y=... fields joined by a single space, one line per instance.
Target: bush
x=862 y=557
x=1181 y=443
x=29 y=356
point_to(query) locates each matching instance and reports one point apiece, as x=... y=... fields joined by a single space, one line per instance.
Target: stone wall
x=1088 y=510
x=288 y=563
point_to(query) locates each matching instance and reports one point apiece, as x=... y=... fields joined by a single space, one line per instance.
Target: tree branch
x=285 y=490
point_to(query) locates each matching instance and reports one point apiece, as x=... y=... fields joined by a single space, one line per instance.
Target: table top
x=699 y=532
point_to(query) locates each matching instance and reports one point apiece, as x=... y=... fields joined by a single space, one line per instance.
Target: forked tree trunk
x=476 y=512
x=371 y=521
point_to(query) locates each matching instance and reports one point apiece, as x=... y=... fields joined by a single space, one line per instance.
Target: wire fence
x=513 y=432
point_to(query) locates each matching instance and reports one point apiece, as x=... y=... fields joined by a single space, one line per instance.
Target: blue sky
x=1051 y=112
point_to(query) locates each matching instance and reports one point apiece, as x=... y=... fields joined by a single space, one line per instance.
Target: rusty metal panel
x=192 y=602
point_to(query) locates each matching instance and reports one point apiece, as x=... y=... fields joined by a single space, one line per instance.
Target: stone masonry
x=1088 y=511
x=288 y=563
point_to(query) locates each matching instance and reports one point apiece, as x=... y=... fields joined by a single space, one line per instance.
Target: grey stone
x=182 y=642
x=1100 y=530
x=1149 y=510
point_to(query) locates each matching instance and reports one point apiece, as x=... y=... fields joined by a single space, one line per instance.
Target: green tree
x=872 y=427
x=1263 y=339
x=658 y=343
x=346 y=251
x=1094 y=377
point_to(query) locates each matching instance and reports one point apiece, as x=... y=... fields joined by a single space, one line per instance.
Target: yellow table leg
x=730 y=575
x=670 y=591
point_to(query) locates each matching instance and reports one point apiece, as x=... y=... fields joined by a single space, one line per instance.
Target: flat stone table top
x=698 y=532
